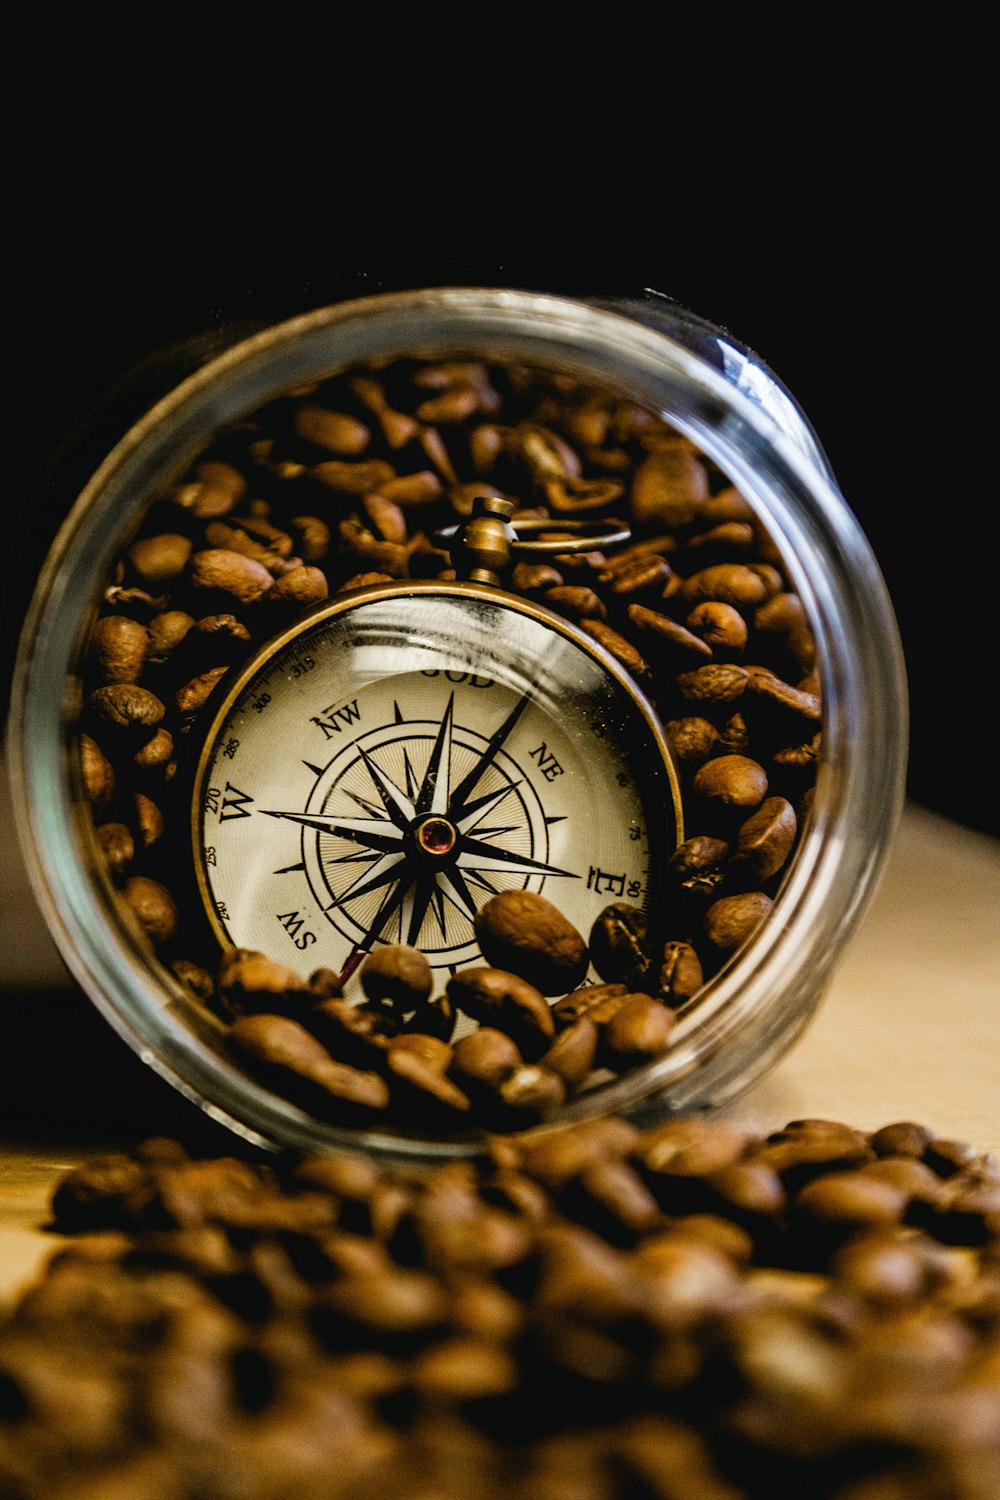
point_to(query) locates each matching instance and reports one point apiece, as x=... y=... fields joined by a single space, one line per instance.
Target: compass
x=386 y=765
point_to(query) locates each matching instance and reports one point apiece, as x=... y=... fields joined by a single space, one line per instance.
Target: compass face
x=378 y=773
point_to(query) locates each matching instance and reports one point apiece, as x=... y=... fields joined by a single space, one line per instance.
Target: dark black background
x=859 y=305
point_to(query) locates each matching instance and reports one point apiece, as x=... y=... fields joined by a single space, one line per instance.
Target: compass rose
x=427 y=845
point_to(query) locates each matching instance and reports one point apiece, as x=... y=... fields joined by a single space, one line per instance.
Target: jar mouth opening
x=832 y=872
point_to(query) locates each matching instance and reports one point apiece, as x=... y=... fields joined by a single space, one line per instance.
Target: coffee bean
x=220 y=570
x=158 y=560
x=722 y=683
x=153 y=906
x=727 y=583
x=284 y=1054
x=118 y=846
x=669 y=488
x=638 y=1032
x=602 y=998
x=420 y=1092
x=732 y=781
x=484 y=1058
x=333 y=430
x=732 y=920
x=681 y=975
x=118 y=648
x=250 y=981
x=505 y=1002
x=398 y=976
x=765 y=840
x=214 y=490
x=572 y=1055
x=526 y=934
x=124 y=706
x=720 y=626
x=97 y=773
x=691 y=739
x=618 y=942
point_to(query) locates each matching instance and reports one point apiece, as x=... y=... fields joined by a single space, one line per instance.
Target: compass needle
x=399 y=808
x=493 y=747
x=387 y=869
x=433 y=794
x=376 y=833
x=476 y=855
x=466 y=819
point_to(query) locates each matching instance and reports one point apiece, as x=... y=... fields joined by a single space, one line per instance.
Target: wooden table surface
x=910 y=1029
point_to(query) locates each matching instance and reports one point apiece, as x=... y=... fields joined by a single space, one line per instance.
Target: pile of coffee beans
x=690 y=1313
x=390 y=1059
x=347 y=483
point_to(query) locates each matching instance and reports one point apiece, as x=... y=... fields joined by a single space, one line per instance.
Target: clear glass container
x=711 y=390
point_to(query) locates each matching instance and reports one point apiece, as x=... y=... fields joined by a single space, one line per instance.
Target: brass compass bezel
x=231 y=691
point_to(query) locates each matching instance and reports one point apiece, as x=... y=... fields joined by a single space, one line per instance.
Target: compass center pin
x=436 y=836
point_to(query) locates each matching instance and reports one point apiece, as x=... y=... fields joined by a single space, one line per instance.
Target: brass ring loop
x=583 y=542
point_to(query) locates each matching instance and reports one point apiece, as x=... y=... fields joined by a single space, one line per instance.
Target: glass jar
x=648 y=351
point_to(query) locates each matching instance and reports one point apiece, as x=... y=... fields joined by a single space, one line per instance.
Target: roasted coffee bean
x=421 y=1094
x=299 y=588
x=153 y=906
x=333 y=430
x=214 y=490
x=283 y=1053
x=669 y=488
x=118 y=846
x=638 y=1032
x=692 y=739
x=165 y=633
x=576 y=603
x=484 y=1058
x=765 y=840
x=902 y=1139
x=529 y=1094
x=578 y=1003
x=722 y=683
x=195 y=693
x=728 y=583
x=732 y=781
x=353 y=1034
x=665 y=639
x=118 y=648
x=699 y=865
x=97 y=773
x=397 y=976
x=249 y=981
x=221 y=571
x=619 y=647
x=720 y=626
x=158 y=560
x=124 y=706
x=573 y=1053
x=618 y=942
x=526 y=934
x=681 y=975
x=732 y=920
x=505 y=1002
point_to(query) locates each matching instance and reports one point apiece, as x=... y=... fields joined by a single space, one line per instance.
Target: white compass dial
x=381 y=772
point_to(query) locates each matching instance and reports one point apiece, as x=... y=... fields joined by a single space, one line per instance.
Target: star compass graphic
x=414 y=825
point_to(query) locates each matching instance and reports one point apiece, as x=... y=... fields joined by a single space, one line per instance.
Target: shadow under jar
x=356 y=853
